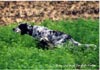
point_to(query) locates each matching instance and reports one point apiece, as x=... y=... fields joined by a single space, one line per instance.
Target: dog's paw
x=91 y=46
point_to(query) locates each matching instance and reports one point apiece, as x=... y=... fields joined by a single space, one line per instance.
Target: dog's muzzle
x=16 y=30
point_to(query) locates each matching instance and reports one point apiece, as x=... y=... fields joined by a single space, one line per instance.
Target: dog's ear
x=23 y=28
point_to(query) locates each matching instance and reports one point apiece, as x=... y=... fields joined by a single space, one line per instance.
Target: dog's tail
x=79 y=44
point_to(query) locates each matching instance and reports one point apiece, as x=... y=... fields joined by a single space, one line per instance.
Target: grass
x=21 y=52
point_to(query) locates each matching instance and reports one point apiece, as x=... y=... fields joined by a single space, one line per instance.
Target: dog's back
x=55 y=37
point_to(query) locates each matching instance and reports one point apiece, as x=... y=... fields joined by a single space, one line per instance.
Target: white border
x=49 y=0
x=69 y=0
x=99 y=35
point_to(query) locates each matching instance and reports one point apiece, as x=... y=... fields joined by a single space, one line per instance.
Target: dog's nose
x=13 y=29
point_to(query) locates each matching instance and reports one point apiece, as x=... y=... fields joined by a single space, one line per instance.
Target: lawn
x=21 y=52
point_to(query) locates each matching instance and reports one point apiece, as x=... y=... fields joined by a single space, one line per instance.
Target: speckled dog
x=45 y=36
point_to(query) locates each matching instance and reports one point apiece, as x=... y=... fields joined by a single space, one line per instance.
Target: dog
x=46 y=36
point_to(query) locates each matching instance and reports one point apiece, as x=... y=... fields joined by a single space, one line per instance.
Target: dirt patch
x=15 y=11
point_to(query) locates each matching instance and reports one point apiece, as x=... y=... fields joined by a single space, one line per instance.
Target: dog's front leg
x=45 y=41
x=42 y=44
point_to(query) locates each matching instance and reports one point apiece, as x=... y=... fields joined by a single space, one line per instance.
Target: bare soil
x=18 y=11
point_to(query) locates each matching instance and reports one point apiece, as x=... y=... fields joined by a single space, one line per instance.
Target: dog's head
x=22 y=28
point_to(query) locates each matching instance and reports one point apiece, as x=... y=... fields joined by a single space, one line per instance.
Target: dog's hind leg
x=90 y=45
x=75 y=42
x=79 y=44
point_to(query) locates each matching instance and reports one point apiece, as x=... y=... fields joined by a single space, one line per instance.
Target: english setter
x=46 y=36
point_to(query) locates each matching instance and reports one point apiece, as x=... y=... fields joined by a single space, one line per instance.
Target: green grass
x=21 y=52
